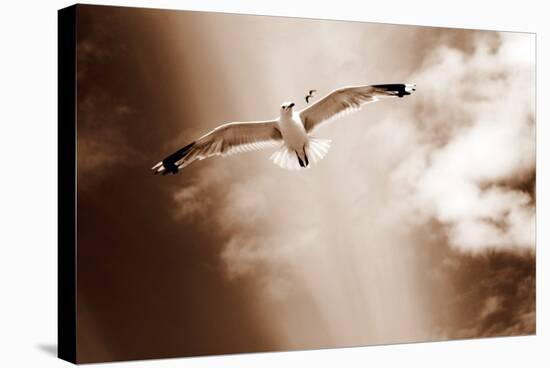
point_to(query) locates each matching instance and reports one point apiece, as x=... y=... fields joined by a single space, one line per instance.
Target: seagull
x=291 y=132
x=310 y=94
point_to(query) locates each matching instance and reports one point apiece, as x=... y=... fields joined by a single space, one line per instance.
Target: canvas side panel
x=66 y=161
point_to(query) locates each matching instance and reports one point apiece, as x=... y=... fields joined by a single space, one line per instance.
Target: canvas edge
x=66 y=175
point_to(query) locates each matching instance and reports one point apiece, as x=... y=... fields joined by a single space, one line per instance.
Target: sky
x=419 y=224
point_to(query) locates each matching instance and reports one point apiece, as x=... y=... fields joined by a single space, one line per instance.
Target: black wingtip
x=170 y=162
x=170 y=167
x=400 y=89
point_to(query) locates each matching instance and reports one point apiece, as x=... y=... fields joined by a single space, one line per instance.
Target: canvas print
x=252 y=183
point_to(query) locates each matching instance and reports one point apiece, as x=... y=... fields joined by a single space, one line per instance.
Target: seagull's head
x=286 y=107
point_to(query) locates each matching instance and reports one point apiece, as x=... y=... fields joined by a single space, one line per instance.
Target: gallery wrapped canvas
x=240 y=183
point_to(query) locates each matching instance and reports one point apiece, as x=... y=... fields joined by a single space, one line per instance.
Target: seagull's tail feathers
x=317 y=149
x=287 y=158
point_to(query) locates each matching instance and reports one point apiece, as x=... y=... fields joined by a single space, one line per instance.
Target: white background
x=28 y=195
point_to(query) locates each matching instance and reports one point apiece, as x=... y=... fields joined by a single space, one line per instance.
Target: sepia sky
x=419 y=224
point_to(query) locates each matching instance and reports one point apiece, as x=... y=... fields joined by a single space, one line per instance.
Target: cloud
x=497 y=296
x=102 y=143
x=476 y=115
x=103 y=116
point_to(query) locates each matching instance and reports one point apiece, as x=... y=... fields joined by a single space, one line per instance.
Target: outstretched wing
x=225 y=140
x=349 y=99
